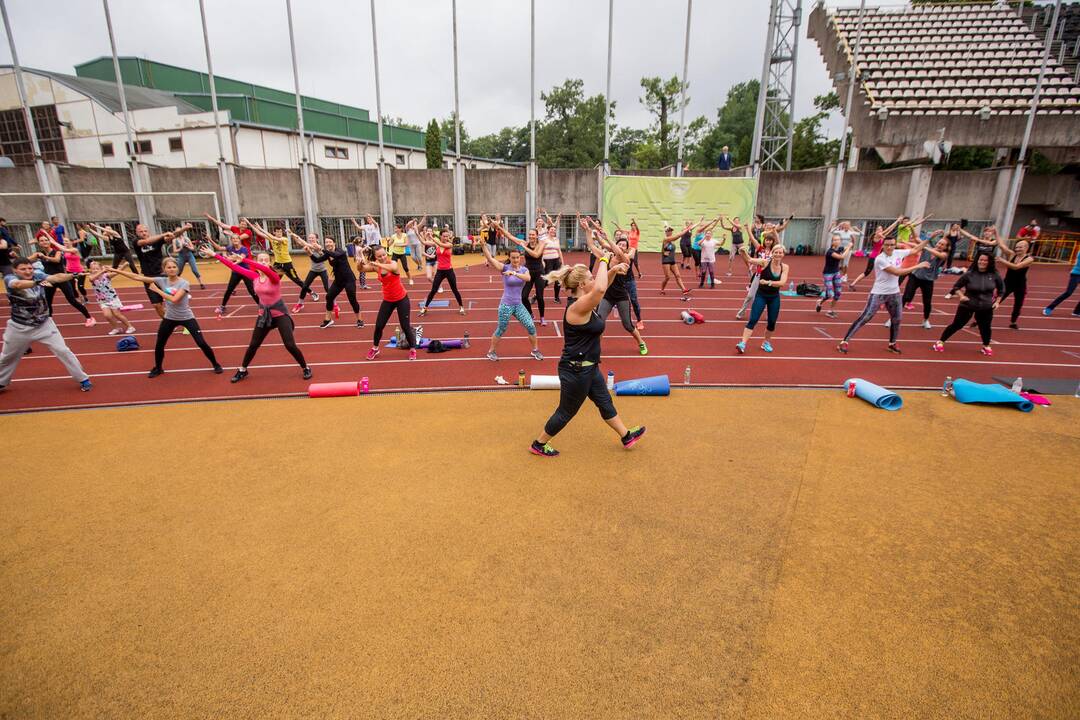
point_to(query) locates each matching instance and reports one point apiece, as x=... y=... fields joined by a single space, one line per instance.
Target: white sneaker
x=114 y=331
x=926 y=325
x=888 y=323
x=130 y=330
x=442 y=290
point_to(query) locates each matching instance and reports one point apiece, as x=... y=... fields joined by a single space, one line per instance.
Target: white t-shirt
x=887 y=283
x=371 y=234
x=708 y=251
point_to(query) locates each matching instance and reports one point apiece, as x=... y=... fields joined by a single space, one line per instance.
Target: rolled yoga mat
x=544 y=382
x=658 y=385
x=127 y=308
x=875 y=394
x=424 y=342
x=338 y=389
x=966 y=391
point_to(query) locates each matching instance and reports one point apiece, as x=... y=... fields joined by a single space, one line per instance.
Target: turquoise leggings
x=517 y=310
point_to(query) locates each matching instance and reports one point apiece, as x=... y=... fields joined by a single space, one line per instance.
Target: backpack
x=808 y=289
x=126 y=344
x=436 y=346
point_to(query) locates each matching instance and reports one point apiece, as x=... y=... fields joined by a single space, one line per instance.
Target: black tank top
x=1017 y=276
x=535 y=265
x=583 y=341
x=767 y=274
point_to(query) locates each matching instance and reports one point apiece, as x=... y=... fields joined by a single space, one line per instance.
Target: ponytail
x=569 y=276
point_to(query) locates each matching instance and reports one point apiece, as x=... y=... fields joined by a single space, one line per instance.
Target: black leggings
x=697 y=257
x=234 y=280
x=305 y=288
x=553 y=264
x=952 y=249
x=1074 y=280
x=68 y=289
x=983 y=316
x=284 y=325
x=633 y=266
x=386 y=309
x=165 y=331
x=349 y=286
x=117 y=258
x=576 y=384
x=631 y=287
x=1019 y=289
x=927 y=288
x=436 y=282
x=80 y=283
x=536 y=280
x=289 y=271
x=623 y=306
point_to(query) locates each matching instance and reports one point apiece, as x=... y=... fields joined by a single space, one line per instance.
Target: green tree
x=734 y=127
x=663 y=98
x=810 y=147
x=510 y=143
x=433 y=145
x=398 y=122
x=572 y=132
x=446 y=129
x=625 y=141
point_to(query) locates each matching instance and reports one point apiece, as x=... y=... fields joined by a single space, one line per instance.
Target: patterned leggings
x=873 y=304
x=833 y=285
x=517 y=310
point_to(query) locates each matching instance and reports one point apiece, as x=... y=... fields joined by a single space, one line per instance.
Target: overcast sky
x=249 y=40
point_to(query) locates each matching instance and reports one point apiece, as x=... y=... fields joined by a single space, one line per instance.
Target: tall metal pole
x=1018 y=172
x=384 y=200
x=532 y=80
x=457 y=106
x=607 y=88
x=682 y=94
x=39 y=163
x=223 y=178
x=461 y=219
x=311 y=220
x=794 y=74
x=838 y=180
x=763 y=89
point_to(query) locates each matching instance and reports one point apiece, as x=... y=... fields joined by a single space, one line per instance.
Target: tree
x=810 y=148
x=734 y=127
x=572 y=133
x=663 y=98
x=510 y=143
x=446 y=129
x=398 y=122
x=625 y=142
x=433 y=145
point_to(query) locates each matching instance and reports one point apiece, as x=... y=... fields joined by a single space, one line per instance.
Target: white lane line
x=556 y=324
x=823 y=333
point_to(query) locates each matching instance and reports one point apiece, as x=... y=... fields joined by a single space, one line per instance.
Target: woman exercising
x=552 y=256
x=394 y=298
x=737 y=240
x=923 y=279
x=667 y=262
x=979 y=290
x=514 y=276
x=315 y=270
x=761 y=247
x=184 y=252
x=774 y=275
x=832 y=272
x=616 y=295
x=108 y=299
x=344 y=279
x=174 y=290
x=444 y=268
x=279 y=248
x=236 y=247
x=1017 y=261
x=534 y=262
x=52 y=263
x=580 y=376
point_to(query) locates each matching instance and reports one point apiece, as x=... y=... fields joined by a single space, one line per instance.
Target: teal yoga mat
x=966 y=391
x=875 y=394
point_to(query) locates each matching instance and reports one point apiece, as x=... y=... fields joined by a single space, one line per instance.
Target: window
x=15 y=140
x=176 y=144
x=143 y=147
x=338 y=153
x=107 y=149
x=400 y=158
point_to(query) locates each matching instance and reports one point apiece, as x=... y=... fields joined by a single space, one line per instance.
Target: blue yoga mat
x=657 y=385
x=971 y=392
x=875 y=394
x=436 y=303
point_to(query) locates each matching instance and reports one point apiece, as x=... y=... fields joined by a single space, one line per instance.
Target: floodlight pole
x=223 y=174
x=682 y=93
x=838 y=177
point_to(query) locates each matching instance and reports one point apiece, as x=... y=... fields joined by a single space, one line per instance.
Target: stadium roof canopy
x=964 y=74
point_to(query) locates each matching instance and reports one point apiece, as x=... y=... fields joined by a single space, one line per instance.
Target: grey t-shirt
x=931 y=273
x=176 y=310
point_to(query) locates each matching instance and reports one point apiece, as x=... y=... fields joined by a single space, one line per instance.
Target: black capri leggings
x=117 y=258
x=339 y=284
x=1019 y=289
x=68 y=289
x=983 y=317
x=537 y=281
x=305 y=288
x=553 y=264
x=623 y=306
x=437 y=281
x=289 y=271
x=576 y=384
x=386 y=309
x=927 y=288
x=234 y=280
x=165 y=331
x=284 y=325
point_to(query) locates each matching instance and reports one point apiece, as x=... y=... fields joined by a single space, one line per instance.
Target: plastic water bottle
x=791 y=286
x=686 y=376
x=521 y=378
x=465 y=340
x=364 y=385
x=1018 y=385
x=946 y=387
x=611 y=380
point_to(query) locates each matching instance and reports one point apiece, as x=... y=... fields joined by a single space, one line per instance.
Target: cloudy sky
x=249 y=40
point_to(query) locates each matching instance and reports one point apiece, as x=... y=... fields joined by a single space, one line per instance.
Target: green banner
x=653 y=201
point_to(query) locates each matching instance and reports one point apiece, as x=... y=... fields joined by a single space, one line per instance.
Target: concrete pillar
x=145 y=206
x=461 y=218
x=827 y=217
x=853 y=158
x=59 y=204
x=386 y=199
x=230 y=189
x=601 y=173
x=918 y=191
x=1001 y=197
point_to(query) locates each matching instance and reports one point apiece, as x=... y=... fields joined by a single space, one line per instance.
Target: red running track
x=805 y=345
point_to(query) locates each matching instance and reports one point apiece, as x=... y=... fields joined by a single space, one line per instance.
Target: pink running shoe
x=938 y=347
x=373 y=353
x=988 y=352
x=412 y=353
x=297 y=308
x=90 y=322
x=337 y=311
x=909 y=306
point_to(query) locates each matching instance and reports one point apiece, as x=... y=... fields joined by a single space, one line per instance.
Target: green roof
x=250 y=103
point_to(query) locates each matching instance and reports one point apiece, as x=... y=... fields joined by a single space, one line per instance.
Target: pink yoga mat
x=136 y=306
x=1037 y=399
x=338 y=389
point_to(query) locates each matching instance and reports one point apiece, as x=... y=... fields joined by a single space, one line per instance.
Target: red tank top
x=392 y=289
x=444 y=258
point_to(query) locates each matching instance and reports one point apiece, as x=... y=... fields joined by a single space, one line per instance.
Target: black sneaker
x=326 y=323
x=218 y=369
x=632 y=436
x=1014 y=326
x=314 y=296
x=154 y=372
x=359 y=323
x=240 y=375
x=893 y=348
x=86 y=385
x=543 y=449
x=307 y=373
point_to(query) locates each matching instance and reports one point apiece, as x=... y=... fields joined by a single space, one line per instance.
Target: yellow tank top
x=399 y=243
x=281 y=250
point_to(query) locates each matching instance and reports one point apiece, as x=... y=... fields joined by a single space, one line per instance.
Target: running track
x=805 y=345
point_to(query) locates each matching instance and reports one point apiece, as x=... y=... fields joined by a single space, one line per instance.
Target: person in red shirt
x=1030 y=232
x=45 y=231
x=394 y=297
x=444 y=268
x=242 y=231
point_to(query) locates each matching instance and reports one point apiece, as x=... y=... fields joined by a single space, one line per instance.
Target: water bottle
x=1018 y=385
x=465 y=340
x=611 y=380
x=686 y=376
x=521 y=378
x=791 y=286
x=946 y=387
x=364 y=385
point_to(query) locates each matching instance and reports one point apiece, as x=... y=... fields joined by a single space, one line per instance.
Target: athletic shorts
x=154 y=297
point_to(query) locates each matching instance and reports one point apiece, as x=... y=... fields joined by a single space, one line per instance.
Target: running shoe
x=130 y=330
x=558 y=301
x=240 y=375
x=741 y=347
x=337 y=311
x=218 y=369
x=543 y=322
x=423 y=311
x=373 y=353
x=297 y=307
x=154 y=372
x=1076 y=313
x=832 y=314
x=739 y=315
x=988 y=352
x=201 y=285
x=326 y=323
x=817 y=307
x=86 y=385
x=492 y=356
x=893 y=348
x=411 y=281
x=1047 y=312
x=219 y=311
x=461 y=311
x=90 y=322
x=412 y=353
x=314 y=296
x=938 y=346
x=307 y=373
x=114 y=331
x=843 y=346
x=766 y=346
x=686 y=297
x=926 y=325
x=535 y=353
x=543 y=449
x=360 y=323
x=909 y=306
x=442 y=290
x=1014 y=326
x=643 y=349
x=632 y=436
x=888 y=323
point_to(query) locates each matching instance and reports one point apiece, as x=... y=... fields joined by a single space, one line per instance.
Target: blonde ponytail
x=569 y=276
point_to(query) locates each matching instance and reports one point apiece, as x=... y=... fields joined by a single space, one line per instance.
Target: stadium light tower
x=775 y=122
